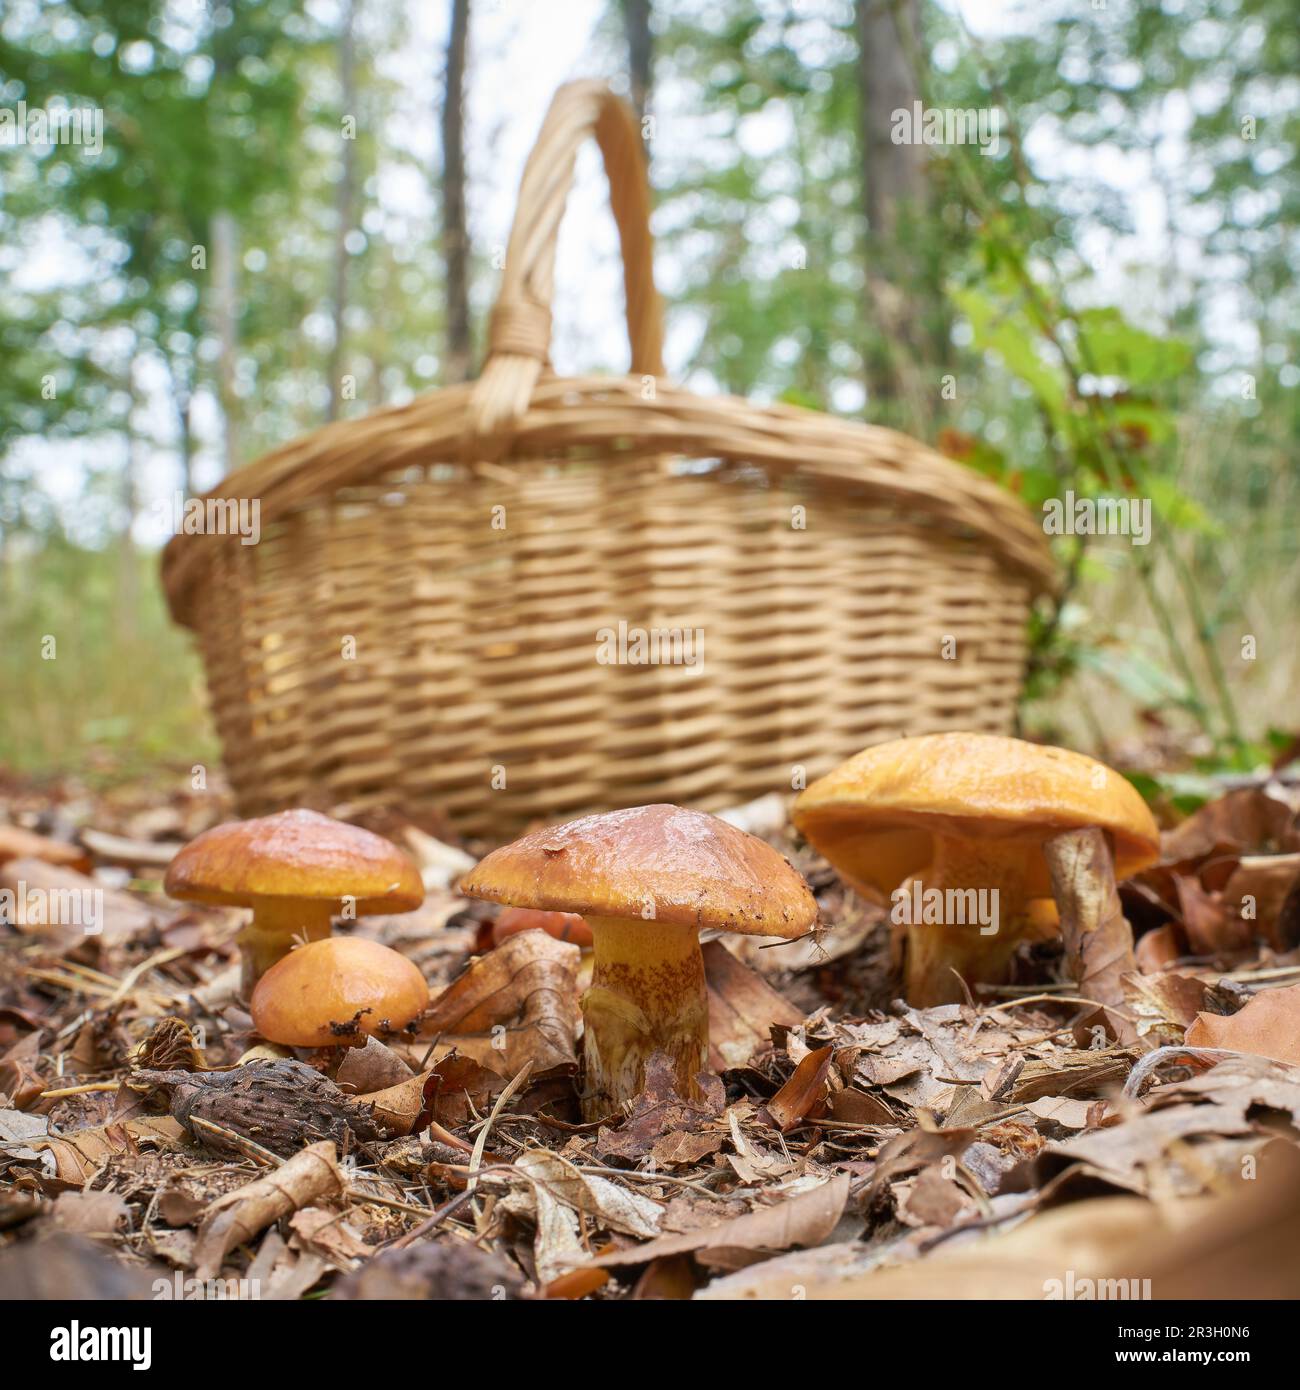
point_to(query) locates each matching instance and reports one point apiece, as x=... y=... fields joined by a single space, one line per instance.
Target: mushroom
x=647 y=880
x=296 y=870
x=337 y=992
x=962 y=811
x=563 y=926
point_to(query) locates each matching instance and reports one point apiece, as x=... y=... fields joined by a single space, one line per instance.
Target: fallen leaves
x=1224 y=879
x=836 y=1147
x=1098 y=939
x=805 y=1092
x=805 y=1218
x=665 y=1126
x=743 y=1008
x=516 y=1004
x=237 y=1217
x=555 y=1194
x=1268 y=1026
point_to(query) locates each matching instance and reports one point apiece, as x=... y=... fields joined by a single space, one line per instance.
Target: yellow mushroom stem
x=276 y=924
x=647 y=995
x=965 y=913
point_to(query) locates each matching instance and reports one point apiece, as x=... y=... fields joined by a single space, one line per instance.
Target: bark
x=894 y=189
x=344 y=197
x=455 y=234
x=225 y=279
x=640 y=52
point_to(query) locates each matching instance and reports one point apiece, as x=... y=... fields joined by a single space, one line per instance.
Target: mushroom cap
x=295 y=854
x=304 y=999
x=563 y=926
x=664 y=863
x=875 y=817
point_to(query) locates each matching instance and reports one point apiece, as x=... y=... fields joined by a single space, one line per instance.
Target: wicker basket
x=474 y=543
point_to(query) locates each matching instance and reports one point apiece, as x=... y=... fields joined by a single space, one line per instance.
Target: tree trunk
x=343 y=199
x=640 y=52
x=225 y=279
x=894 y=187
x=455 y=234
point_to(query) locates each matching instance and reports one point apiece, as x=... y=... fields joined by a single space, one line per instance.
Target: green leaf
x=1111 y=346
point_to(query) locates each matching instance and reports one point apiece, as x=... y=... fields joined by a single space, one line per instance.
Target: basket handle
x=520 y=334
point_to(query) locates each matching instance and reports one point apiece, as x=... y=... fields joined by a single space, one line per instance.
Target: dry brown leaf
x=326 y=1233
x=89 y=1213
x=237 y=1217
x=660 y=1114
x=17 y=843
x=1242 y=822
x=1158 y=949
x=912 y=1152
x=1209 y=925
x=1257 y=892
x=1192 y=1135
x=69 y=909
x=930 y=1199
x=805 y=1093
x=82 y=1152
x=1167 y=1002
x=554 y=1196
x=517 y=1004
x=742 y=1009
x=1087 y=1071
x=805 y=1219
x=856 y=1107
x=19 y=1078
x=455 y=1088
x=1070 y=1113
x=372 y=1067
x=398 y=1108
x=1240 y=1247
x=1098 y=940
x=1268 y=1026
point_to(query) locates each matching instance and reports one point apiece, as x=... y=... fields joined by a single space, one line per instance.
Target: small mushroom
x=957 y=812
x=296 y=870
x=647 y=880
x=563 y=926
x=337 y=992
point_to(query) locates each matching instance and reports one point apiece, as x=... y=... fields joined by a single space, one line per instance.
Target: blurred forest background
x=1105 y=304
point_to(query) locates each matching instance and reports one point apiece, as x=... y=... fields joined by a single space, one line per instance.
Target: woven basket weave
x=474 y=543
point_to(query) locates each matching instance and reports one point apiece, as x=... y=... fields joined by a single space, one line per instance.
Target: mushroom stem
x=647 y=995
x=270 y=935
x=971 y=926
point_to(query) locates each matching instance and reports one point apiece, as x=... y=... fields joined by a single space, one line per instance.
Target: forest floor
x=1030 y=1142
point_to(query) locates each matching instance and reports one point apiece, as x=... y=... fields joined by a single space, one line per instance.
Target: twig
x=1152 y=1060
x=80 y=1090
x=480 y=1144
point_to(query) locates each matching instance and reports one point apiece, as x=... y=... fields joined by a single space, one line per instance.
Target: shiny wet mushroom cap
x=647 y=880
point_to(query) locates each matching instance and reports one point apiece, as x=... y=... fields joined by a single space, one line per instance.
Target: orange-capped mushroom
x=963 y=815
x=336 y=992
x=646 y=881
x=296 y=870
x=563 y=926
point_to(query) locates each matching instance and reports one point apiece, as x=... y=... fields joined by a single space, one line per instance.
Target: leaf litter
x=1114 y=1112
